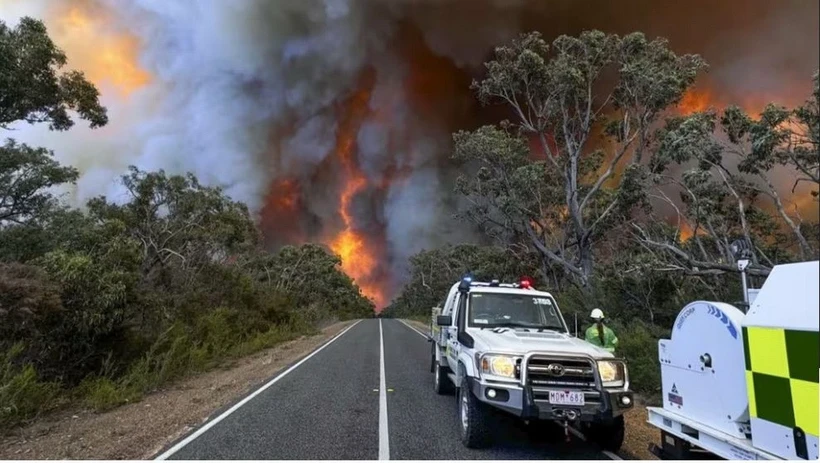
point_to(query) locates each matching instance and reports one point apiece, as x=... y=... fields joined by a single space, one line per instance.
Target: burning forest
x=332 y=120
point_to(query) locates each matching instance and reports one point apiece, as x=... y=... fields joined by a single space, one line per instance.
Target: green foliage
x=22 y=394
x=310 y=276
x=32 y=90
x=179 y=352
x=178 y=222
x=108 y=303
x=583 y=206
x=560 y=202
x=433 y=272
x=727 y=186
x=25 y=175
x=120 y=300
x=638 y=344
x=27 y=300
x=102 y=393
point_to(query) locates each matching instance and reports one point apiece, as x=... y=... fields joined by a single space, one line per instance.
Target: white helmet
x=597 y=314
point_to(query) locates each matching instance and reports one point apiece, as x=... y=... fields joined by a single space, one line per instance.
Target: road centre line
x=247 y=399
x=384 y=432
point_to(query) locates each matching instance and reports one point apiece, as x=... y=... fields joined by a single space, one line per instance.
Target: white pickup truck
x=507 y=346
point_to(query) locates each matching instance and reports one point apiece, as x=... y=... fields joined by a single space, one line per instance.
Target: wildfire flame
x=106 y=56
x=358 y=260
x=282 y=204
x=695 y=100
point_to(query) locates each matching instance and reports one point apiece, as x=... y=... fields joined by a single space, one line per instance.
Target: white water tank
x=702 y=367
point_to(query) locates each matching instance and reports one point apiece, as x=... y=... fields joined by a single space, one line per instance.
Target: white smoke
x=224 y=75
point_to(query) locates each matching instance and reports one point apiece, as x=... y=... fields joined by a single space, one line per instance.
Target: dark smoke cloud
x=245 y=94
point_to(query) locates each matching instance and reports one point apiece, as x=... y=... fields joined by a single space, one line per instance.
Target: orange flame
x=282 y=204
x=695 y=100
x=358 y=259
x=686 y=232
x=284 y=195
x=84 y=30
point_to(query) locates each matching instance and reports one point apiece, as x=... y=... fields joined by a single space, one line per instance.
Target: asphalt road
x=331 y=405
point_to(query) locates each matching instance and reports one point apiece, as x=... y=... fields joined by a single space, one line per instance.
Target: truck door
x=453 y=346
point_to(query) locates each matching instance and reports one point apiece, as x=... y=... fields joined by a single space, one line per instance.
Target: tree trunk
x=806 y=250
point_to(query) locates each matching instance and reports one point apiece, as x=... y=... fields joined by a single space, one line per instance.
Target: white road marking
x=417 y=331
x=581 y=436
x=384 y=433
x=247 y=399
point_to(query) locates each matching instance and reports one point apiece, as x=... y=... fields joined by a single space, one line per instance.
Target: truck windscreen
x=492 y=310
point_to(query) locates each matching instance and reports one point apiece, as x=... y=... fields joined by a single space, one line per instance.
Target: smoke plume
x=332 y=119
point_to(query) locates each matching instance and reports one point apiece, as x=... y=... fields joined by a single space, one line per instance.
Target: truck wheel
x=609 y=436
x=441 y=382
x=473 y=418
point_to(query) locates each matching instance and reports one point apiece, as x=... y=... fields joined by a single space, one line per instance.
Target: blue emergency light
x=466 y=281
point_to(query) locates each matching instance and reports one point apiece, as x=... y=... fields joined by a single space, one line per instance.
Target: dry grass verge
x=140 y=430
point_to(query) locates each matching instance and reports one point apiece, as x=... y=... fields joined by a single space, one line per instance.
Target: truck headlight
x=502 y=366
x=613 y=374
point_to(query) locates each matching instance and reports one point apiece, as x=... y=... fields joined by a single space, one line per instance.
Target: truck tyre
x=609 y=436
x=441 y=382
x=473 y=417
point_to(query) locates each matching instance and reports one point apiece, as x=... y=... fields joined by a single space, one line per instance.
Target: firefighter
x=600 y=334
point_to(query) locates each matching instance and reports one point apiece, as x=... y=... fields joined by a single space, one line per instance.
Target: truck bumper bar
x=519 y=401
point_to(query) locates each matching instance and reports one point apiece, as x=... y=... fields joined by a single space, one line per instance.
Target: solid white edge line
x=581 y=436
x=409 y=326
x=247 y=399
x=384 y=433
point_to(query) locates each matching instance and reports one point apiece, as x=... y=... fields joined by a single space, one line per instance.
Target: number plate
x=567 y=398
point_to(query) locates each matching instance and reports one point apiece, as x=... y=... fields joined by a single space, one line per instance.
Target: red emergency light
x=526 y=283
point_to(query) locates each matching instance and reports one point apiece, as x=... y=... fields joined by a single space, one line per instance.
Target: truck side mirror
x=444 y=320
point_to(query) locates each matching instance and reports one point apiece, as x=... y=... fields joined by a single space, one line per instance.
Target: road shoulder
x=140 y=430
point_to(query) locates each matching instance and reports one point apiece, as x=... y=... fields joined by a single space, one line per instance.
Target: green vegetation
x=104 y=304
x=606 y=196
x=596 y=189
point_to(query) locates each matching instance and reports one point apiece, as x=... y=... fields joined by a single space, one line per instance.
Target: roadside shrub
x=101 y=393
x=638 y=343
x=22 y=394
x=117 y=300
x=27 y=299
x=268 y=339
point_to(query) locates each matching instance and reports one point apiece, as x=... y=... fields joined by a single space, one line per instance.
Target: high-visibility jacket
x=610 y=340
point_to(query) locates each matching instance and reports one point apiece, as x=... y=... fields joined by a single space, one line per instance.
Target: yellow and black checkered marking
x=782 y=369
